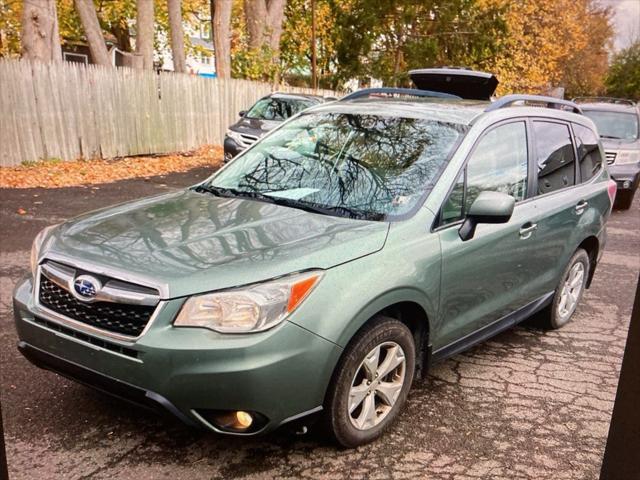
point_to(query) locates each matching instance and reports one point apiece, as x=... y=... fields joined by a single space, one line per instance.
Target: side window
x=453 y=207
x=589 y=157
x=555 y=157
x=498 y=163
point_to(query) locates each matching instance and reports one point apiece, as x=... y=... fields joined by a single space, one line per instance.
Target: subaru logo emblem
x=86 y=287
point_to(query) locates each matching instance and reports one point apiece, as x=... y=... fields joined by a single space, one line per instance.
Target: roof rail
x=412 y=92
x=550 y=102
x=618 y=101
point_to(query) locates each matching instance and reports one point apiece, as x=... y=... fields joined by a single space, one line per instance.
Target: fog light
x=243 y=419
x=239 y=421
x=626 y=184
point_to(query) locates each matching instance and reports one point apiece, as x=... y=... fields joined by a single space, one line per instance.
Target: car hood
x=188 y=242
x=254 y=126
x=620 y=144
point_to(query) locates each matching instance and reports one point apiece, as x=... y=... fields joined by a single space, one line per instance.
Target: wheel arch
x=591 y=245
x=407 y=306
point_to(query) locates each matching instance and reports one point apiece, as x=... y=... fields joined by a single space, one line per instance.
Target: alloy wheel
x=376 y=385
x=570 y=292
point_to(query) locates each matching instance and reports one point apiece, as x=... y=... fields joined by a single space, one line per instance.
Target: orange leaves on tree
x=553 y=43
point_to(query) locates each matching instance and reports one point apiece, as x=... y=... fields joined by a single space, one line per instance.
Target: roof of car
x=297 y=96
x=464 y=112
x=445 y=110
x=610 y=107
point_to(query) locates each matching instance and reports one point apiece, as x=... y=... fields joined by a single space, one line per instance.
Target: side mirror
x=242 y=113
x=489 y=207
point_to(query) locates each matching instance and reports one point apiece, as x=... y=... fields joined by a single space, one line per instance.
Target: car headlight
x=626 y=157
x=234 y=136
x=37 y=245
x=248 y=309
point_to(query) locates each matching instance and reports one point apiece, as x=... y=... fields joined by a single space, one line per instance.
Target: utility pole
x=314 y=73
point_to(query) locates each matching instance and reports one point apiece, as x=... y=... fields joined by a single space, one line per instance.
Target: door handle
x=527 y=230
x=582 y=204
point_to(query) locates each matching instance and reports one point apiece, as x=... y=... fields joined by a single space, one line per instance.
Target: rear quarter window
x=589 y=155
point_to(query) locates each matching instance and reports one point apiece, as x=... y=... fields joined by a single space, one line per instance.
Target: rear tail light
x=612 y=188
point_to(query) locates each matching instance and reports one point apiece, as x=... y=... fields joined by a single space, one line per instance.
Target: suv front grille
x=248 y=140
x=611 y=157
x=118 y=318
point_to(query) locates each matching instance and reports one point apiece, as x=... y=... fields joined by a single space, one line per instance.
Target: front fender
x=407 y=269
x=383 y=301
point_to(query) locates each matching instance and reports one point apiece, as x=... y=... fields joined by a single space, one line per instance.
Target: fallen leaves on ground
x=54 y=174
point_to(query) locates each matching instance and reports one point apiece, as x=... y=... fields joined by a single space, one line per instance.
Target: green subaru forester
x=319 y=272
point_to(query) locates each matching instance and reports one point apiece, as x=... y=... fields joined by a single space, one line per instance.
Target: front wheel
x=570 y=290
x=371 y=382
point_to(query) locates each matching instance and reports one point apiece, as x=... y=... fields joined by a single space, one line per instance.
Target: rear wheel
x=371 y=382
x=569 y=291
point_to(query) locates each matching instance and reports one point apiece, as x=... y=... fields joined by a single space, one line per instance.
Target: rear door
x=557 y=203
x=484 y=279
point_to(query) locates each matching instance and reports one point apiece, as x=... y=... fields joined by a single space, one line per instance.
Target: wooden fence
x=69 y=111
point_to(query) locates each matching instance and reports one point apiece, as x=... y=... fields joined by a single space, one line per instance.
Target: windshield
x=358 y=166
x=617 y=125
x=278 y=109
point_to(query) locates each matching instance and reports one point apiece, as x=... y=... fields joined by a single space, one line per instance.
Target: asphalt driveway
x=528 y=404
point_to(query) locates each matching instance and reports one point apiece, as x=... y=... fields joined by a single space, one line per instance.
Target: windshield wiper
x=611 y=137
x=208 y=189
x=287 y=202
x=233 y=193
x=340 y=211
x=218 y=191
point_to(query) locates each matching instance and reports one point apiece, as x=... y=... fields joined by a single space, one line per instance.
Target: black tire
x=380 y=330
x=624 y=199
x=552 y=319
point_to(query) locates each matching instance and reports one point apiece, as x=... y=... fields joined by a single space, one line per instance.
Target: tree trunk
x=120 y=30
x=87 y=13
x=264 y=22
x=255 y=12
x=144 y=32
x=177 y=35
x=221 y=25
x=40 y=37
x=314 y=56
x=274 y=24
x=398 y=57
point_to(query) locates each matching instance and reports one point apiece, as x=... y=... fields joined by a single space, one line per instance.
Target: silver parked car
x=618 y=123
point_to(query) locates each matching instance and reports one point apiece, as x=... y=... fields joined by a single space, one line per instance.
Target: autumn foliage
x=554 y=43
x=531 y=45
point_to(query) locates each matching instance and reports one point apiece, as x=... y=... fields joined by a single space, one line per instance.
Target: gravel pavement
x=528 y=404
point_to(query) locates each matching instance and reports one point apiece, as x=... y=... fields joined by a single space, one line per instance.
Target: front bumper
x=281 y=374
x=627 y=177
x=231 y=148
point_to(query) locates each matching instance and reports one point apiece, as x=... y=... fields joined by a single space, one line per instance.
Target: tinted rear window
x=589 y=157
x=555 y=156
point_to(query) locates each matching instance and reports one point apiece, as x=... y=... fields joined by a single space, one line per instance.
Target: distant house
x=200 y=59
x=78 y=52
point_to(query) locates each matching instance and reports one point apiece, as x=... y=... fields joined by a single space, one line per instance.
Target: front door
x=485 y=278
